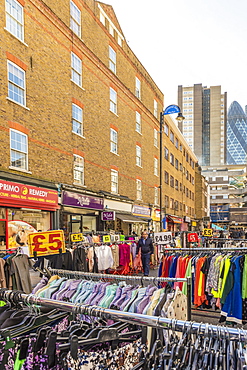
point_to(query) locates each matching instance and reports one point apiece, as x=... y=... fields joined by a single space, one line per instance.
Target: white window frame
x=138 y=88
x=155 y=108
x=76 y=69
x=138 y=123
x=15 y=19
x=112 y=60
x=138 y=189
x=138 y=155
x=113 y=141
x=114 y=181
x=156 y=195
x=156 y=173
x=15 y=86
x=102 y=18
x=14 y=149
x=155 y=138
x=113 y=100
x=78 y=173
x=75 y=19
x=77 y=119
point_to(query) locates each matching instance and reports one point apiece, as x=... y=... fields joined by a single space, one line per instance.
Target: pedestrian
x=145 y=244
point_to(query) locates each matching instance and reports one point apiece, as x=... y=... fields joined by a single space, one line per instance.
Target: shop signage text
x=82 y=201
x=21 y=195
x=46 y=243
x=108 y=215
x=141 y=211
x=163 y=238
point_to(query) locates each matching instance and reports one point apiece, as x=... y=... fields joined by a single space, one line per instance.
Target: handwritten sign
x=76 y=237
x=163 y=238
x=46 y=243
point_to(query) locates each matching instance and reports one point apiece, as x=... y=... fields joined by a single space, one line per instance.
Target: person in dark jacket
x=145 y=244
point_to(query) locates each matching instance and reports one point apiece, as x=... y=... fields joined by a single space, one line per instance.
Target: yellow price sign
x=46 y=243
x=106 y=238
x=77 y=237
x=207 y=232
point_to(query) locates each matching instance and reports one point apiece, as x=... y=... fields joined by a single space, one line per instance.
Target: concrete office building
x=204 y=126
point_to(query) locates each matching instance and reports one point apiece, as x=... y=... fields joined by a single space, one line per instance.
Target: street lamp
x=169 y=110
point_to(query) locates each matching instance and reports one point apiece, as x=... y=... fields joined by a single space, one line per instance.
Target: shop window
x=114 y=181
x=78 y=170
x=113 y=101
x=75 y=19
x=18 y=150
x=15 y=19
x=112 y=60
x=76 y=69
x=16 y=84
x=77 y=117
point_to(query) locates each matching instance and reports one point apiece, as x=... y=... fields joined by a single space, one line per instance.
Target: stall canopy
x=131 y=219
x=176 y=220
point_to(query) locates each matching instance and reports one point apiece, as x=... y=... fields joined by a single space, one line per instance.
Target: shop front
x=143 y=219
x=155 y=215
x=80 y=213
x=174 y=223
x=25 y=208
x=118 y=217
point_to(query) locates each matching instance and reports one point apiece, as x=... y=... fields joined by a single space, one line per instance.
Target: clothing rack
x=182 y=249
x=140 y=279
x=139 y=319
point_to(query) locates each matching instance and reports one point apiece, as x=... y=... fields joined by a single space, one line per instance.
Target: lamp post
x=168 y=110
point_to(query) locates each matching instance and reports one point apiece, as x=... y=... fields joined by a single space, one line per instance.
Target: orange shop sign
x=46 y=243
x=22 y=195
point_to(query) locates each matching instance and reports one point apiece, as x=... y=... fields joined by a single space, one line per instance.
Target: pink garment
x=124 y=254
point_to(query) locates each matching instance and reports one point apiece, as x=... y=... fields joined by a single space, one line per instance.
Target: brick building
x=80 y=119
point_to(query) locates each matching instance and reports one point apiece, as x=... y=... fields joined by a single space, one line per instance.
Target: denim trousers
x=146 y=263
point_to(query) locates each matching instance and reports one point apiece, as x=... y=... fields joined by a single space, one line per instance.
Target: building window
x=166 y=151
x=176 y=184
x=113 y=100
x=138 y=155
x=155 y=108
x=172 y=137
x=156 y=166
x=138 y=122
x=18 y=150
x=166 y=201
x=138 y=88
x=181 y=186
x=77 y=117
x=181 y=166
x=112 y=59
x=156 y=195
x=172 y=181
x=156 y=138
x=75 y=19
x=172 y=159
x=181 y=147
x=171 y=203
x=176 y=164
x=192 y=195
x=15 y=19
x=102 y=18
x=166 y=129
x=114 y=181
x=78 y=170
x=166 y=177
x=76 y=69
x=138 y=189
x=16 y=84
x=114 y=140
x=176 y=143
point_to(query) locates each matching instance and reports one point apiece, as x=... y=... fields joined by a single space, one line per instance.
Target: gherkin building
x=236 y=135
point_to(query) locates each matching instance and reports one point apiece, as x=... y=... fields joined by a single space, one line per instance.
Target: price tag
x=78 y=237
x=163 y=238
x=192 y=237
x=106 y=238
x=122 y=238
x=46 y=243
x=207 y=232
x=115 y=238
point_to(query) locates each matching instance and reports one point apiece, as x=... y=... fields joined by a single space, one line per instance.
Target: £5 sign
x=46 y=243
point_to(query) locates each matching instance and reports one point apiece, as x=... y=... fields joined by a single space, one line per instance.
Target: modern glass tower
x=236 y=134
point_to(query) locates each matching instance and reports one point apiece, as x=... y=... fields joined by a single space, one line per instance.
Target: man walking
x=146 y=246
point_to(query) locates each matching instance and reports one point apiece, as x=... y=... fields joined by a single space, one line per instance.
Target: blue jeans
x=146 y=263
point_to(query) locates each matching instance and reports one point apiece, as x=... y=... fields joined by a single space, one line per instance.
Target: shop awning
x=176 y=220
x=131 y=219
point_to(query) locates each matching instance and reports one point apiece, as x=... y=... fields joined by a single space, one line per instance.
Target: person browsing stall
x=145 y=244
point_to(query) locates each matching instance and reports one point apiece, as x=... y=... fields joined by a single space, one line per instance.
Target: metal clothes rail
x=200 y=249
x=134 y=279
x=139 y=319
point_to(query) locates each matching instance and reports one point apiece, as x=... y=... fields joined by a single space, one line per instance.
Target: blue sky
x=183 y=42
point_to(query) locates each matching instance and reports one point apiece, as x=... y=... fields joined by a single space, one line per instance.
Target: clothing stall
x=110 y=339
